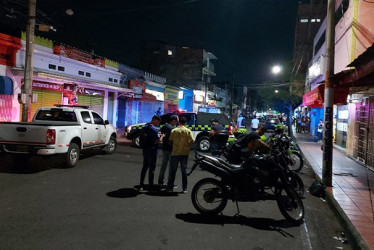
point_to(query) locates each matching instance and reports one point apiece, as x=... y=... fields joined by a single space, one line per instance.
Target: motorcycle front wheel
x=297 y=162
x=296 y=183
x=291 y=205
x=208 y=196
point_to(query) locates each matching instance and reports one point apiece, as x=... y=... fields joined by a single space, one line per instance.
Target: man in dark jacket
x=166 y=147
x=150 y=151
x=218 y=138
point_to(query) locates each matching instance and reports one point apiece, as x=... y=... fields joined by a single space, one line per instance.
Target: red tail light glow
x=51 y=136
x=231 y=128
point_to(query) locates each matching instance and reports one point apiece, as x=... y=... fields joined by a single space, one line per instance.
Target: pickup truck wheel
x=72 y=156
x=135 y=141
x=203 y=144
x=112 y=145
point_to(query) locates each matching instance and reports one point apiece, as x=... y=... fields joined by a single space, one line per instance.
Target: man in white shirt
x=254 y=123
x=240 y=121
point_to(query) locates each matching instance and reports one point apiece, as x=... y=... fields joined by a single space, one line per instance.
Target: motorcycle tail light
x=230 y=130
x=51 y=136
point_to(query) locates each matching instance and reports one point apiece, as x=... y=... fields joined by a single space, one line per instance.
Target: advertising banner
x=172 y=95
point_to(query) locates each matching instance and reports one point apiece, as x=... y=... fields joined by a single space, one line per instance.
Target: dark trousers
x=174 y=162
x=149 y=163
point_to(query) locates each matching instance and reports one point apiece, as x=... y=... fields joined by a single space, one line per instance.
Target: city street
x=95 y=206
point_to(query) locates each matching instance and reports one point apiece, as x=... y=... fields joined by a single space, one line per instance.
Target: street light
x=276 y=69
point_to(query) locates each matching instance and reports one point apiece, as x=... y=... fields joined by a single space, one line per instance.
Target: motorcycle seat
x=219 y=161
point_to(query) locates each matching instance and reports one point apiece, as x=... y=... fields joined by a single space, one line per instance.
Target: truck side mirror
x=106 y=122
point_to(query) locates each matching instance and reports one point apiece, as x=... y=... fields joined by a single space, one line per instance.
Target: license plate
x=22 y=148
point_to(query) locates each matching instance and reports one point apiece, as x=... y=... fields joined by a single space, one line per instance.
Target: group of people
x=243 y=122
x=302 y=124
x=176 y=143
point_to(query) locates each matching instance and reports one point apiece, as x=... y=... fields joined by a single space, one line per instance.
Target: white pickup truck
x=64 y=130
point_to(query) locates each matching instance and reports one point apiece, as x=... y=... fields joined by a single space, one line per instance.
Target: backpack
x=144 y=141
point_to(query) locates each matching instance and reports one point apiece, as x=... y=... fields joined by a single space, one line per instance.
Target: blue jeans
x=165 y=160
x=149 y=163
x=319 y=134
x=174 y=161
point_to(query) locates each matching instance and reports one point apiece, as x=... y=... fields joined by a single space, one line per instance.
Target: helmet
x=278 y=128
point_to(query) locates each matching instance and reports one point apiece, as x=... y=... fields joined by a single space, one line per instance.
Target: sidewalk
x=352 y=193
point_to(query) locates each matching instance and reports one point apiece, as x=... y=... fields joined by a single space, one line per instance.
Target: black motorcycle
x=258 y=178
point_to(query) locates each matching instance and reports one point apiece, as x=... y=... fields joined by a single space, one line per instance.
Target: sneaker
x=140 y=188
x=163 y=185
x=175 y=186
x=184 y=191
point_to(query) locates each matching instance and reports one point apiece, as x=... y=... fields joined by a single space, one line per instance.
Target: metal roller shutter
x=95 y=103
x=45 y=99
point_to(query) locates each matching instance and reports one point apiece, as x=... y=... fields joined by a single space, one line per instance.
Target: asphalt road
x=95 y=206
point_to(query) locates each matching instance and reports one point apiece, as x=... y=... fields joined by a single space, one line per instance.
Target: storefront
x=93 y=98
x=48 y=94
x=171 y=99
x=6 y=96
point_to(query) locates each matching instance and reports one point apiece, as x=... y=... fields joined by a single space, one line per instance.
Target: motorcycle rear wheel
x=208 y=196
x=291 y=205
x=298 y=162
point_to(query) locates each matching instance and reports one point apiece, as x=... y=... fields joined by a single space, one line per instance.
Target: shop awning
x=6 y=86
x=315 y=97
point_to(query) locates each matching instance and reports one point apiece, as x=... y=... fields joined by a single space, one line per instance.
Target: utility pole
x=27 y=87
x=329 y=96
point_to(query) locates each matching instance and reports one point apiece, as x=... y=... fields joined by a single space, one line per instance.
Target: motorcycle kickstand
x=237 y=207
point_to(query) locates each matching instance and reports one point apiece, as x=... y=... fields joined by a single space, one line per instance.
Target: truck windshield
x=56 y=115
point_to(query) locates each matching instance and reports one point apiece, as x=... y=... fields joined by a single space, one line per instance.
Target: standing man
x=150 y=151
x=254 y=123
x=218 y=138
x=166 y=147
x=240 y=121
x=181 y=138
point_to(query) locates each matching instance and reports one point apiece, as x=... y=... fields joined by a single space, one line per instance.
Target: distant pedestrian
x=254 y=123
x=166 y=147
x=302 y=124
x=240 y=124
x=307 y=124
x=181 y=138
x=150 y=151
x=218 y=138
x=320 y=130
x=159 y=112
x=298 y=124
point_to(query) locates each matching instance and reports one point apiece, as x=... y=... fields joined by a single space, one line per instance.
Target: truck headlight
x=129 y=129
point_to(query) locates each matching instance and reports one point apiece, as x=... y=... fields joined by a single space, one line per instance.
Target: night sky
x=247 y=36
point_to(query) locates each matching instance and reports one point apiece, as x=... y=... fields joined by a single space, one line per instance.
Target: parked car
x=58 y=130
x=270 y=123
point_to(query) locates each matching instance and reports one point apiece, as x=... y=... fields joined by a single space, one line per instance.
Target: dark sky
x=247 y=36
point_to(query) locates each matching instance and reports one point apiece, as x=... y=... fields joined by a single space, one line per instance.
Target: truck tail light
x=51 y=136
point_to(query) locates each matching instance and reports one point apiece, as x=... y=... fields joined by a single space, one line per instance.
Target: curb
x=347 y=223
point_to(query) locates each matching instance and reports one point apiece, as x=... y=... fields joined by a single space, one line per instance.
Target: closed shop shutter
x=121 y=112
x=147 y=111
x=95 y=103
x=45 y=99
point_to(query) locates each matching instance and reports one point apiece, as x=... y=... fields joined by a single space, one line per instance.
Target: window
x=339 y=13
x=86 y=116
x=115 y=80
x=81 y=73
x=313 y=20
x=88 y=74
x=110 y=79
x=170 y=52
x=318 y=20
x=304 y=20
x=56 y=115
x=60 y=68
x=320 y=42
x=97 y=119
x=51 y=66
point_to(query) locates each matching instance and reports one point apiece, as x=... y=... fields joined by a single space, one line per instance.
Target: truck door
x=90 y=131
x=102 y=132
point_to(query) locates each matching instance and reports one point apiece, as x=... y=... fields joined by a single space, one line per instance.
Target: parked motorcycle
x=258 y=178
